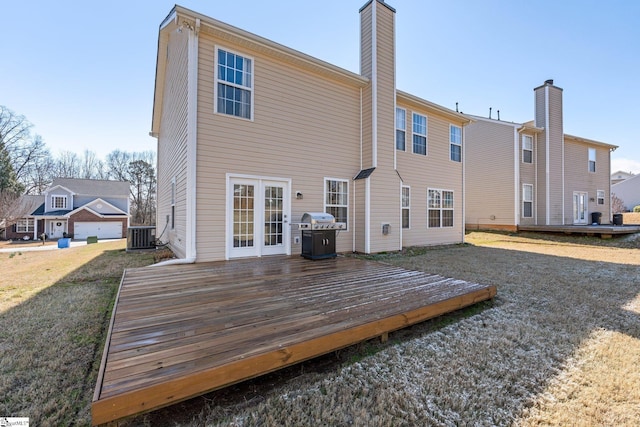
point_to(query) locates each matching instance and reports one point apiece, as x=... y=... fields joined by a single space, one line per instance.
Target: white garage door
x=104 y=230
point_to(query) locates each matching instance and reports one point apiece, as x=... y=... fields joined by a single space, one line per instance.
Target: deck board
x=181 y=331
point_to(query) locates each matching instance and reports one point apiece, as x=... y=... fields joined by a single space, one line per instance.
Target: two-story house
x=77 y=207
x=252 y=134
x=533 y=173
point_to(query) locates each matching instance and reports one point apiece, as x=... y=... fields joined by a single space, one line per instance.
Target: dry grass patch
x=54 y=306
x=558 y=346
x=600 y=384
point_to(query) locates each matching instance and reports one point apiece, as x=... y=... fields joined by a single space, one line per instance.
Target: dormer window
x=58 y=202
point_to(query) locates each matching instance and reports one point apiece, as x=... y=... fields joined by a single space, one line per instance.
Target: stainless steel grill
x=319 y=221
x=319 y=235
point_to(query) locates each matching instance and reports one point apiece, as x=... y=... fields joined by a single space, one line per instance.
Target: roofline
x=630 y=179
x=591 y=141
x=379 y=1
x=501 y=122
x=407 y=97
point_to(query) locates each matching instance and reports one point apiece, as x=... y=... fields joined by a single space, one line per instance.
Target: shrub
x=636 y=208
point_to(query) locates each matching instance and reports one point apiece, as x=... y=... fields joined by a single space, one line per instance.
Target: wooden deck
x=181 y=331
x=604 y=231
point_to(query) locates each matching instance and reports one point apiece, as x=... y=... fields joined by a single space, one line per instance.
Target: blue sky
x=83 y=72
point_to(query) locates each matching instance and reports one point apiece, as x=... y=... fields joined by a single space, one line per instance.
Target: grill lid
x=318 y=218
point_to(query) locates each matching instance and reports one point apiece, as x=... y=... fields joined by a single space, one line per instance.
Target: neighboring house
x=26 y=204
x=252 y=134
x=620 y=176
x=628 y=191
x=77 y=207
x=533 y=173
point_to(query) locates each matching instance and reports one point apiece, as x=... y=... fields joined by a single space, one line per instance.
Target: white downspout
x=516 y=171
x=464 y=184
x=192 y=141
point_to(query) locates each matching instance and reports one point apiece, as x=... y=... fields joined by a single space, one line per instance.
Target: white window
x=455 y=138
x=439 y=208
x=58 y=202
x=527 y=149
x=406 y=206
x=173 y=203
x=24 y=225
x=234 y=88
x=401 y=129
x=336 y=198
x=600 y=197
x=419 y=134
x=592 y=159
x=527 y=201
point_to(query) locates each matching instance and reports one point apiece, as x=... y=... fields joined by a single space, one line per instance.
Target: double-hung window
x=600 y=196
x=58 y=202
x=439 y=208
x=419 y=134
x=406 y=206
x=592 y=159
x=527 y=201
x=336 y=198
x=401 y=129
x=24 y=225
x=455 y=139
x=234 y=77
x=527 y=149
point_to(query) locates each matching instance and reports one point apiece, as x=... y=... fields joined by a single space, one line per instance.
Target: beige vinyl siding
x=578 y=178
x=306 y=128
x=385 y=183
x=527 y=176
x=366 y=69
x=540 y=158
x=555 y=128
x=549 y=194
x=434 y=171
x=489 y=175
x=172 y=144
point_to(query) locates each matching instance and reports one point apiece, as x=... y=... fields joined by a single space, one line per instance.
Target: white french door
x=258 y=212
x=580 y=207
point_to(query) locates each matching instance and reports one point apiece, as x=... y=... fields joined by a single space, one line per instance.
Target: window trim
x=173 y=203
x=441 y=207
x=216 y=81
x=324 y=198
x=28 y=228
x=598 y=192
x=414 y=134
x=403 y=129
x=407 y=207
x=452 y=143
x=524 y=138
x=524 y=200
x=592 y=162
x=62 y=197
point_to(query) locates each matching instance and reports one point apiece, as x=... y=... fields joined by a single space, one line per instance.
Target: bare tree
x=143 y=187
x=617 y=204
x=13 y=128
x=118 y=165
x=91 y=167
x=139 y=170
x=67 y=165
